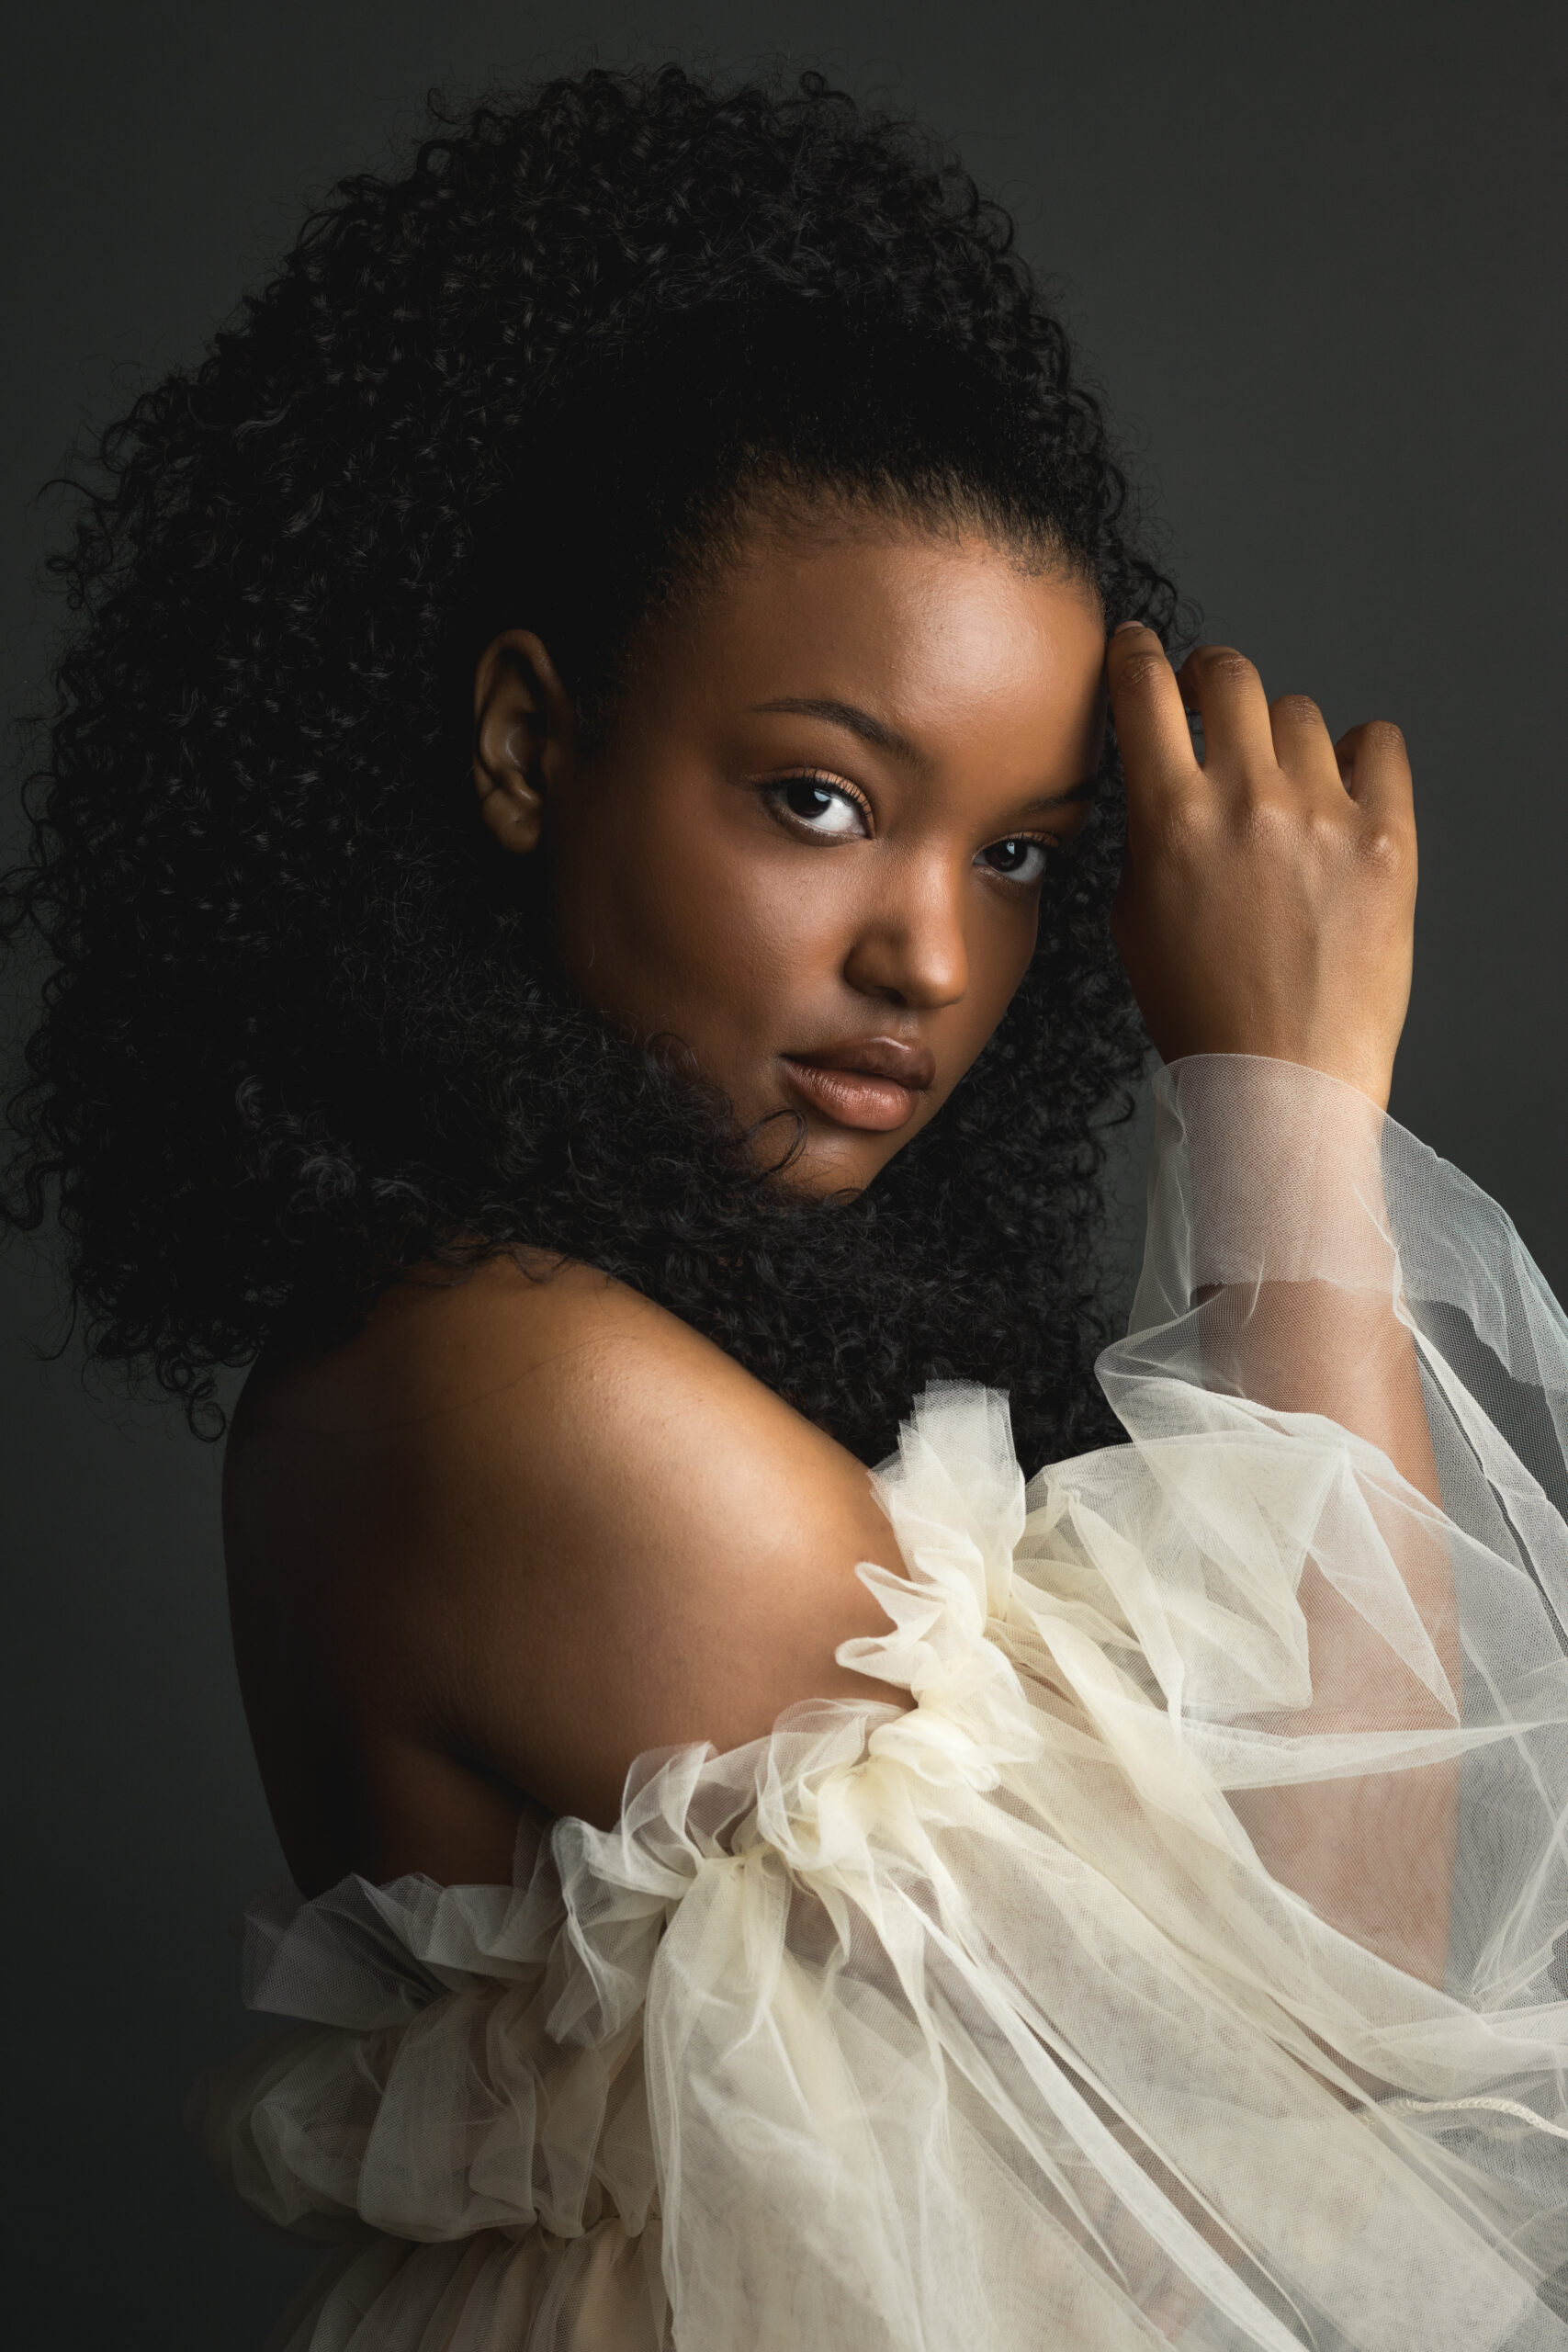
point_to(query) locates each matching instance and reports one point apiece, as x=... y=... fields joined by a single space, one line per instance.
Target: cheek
x=687 y=917
x=1003 y=946
x=739 y=922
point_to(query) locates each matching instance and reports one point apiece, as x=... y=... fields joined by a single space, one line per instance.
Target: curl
x=297 y=1038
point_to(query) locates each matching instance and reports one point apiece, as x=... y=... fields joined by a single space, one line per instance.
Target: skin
x=517 y=1533
x=686 y=894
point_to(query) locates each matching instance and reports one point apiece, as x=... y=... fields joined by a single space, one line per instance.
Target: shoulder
x=436 y=1341
x=582 y=1528
x=546 y=1384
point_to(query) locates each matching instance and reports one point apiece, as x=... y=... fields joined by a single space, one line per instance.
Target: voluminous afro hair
x=302 y=1034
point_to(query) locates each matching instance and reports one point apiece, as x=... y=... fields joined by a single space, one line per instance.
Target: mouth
x=872 y=1083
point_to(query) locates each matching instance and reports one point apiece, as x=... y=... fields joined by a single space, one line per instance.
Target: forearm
x=1272 y=1239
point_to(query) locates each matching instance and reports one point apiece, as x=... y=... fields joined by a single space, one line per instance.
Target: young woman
x=581 y=852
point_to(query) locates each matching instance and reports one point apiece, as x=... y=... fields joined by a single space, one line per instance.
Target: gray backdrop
x=1313 y=254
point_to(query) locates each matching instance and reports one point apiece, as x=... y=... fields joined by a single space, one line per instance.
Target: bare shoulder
x=558 y=1387
x=438 y=1341
x=565 y=1527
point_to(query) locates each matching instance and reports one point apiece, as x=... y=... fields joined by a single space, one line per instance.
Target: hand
x=1267 y=902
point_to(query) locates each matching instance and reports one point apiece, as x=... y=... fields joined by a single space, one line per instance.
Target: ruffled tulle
x=1041 y=2012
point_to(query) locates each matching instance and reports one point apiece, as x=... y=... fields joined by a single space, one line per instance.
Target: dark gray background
x=1313 y=254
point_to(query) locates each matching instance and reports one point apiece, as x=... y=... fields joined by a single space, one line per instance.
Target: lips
x=872 y=1083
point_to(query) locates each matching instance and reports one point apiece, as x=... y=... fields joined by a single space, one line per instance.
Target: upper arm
x=614 y=1539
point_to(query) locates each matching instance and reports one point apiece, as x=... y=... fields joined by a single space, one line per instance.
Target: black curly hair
x=301 y=1034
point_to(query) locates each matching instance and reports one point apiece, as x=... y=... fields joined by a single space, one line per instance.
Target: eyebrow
x=859 y=722
x=1085 y=789
x=888 y=739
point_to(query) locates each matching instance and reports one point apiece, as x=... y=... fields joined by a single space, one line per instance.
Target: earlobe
x=523 y=735
x=511 y=807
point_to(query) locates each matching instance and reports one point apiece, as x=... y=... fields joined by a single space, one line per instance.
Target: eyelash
x=774 y=789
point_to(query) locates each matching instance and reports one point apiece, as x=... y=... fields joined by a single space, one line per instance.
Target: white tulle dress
x=1188 y=1965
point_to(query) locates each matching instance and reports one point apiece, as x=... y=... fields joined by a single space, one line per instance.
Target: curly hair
x=301 y=1037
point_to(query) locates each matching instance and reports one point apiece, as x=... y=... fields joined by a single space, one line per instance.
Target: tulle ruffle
x=1002 y=2020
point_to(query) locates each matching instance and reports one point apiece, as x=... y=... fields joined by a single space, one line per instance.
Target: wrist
x=1264 y=1169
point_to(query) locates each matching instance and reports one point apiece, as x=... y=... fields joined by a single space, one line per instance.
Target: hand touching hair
x=302 y=1031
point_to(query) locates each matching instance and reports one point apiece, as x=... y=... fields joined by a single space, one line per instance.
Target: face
x=812 y=846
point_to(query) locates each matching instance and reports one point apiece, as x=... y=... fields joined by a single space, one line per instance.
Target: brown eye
x=1017 y=859
x=825 y=809
x=809 y=799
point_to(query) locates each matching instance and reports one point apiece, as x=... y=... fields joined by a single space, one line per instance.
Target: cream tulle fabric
x=1081 y=2005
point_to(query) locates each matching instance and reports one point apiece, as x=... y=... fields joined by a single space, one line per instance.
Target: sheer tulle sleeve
x=1188 y=1965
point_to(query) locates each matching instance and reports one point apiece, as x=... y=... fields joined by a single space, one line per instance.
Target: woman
x=579 y=834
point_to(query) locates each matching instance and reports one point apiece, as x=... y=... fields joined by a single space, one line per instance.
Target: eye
x=819 y=805
x=1018 y=859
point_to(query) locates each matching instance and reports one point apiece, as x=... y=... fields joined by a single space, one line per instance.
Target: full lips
x=852 y=1098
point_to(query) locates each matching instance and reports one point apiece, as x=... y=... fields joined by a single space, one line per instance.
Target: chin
x=826 y=1169
x=818 y=1157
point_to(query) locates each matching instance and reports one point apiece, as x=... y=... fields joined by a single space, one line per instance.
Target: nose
x=908 y=946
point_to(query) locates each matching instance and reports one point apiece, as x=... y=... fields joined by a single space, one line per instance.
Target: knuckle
x=1188 y=828
x=1224 y=662
x=1295 y=710
x=1386 y=849
x=1325 y=832
x=1380 y=742
x=1183 y=832
x=1139 y=671
x=1268 y=820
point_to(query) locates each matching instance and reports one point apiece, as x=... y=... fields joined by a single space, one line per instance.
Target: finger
x=1228 y=693
x=1375 y=768
x=1302 y=745
x=1146 y=703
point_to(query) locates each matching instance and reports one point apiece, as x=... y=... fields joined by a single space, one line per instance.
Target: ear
x=524 y=736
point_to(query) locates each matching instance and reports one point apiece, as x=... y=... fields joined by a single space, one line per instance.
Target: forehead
x=942 y=633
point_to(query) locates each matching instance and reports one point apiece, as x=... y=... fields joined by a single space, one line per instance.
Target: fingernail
x=1123 y=627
